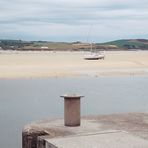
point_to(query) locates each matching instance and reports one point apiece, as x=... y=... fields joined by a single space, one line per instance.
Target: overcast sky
x=73 y=20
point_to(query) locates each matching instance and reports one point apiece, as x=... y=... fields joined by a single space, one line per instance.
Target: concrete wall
x=30 y=139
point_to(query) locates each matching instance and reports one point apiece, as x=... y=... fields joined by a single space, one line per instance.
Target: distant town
x=124 y=44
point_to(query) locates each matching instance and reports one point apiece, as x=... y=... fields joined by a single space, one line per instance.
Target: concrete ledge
x=42 y=133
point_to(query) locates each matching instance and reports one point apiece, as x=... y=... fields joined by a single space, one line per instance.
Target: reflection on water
x=23 y=101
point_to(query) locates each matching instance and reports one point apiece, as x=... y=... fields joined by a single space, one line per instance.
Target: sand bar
x=62 y=64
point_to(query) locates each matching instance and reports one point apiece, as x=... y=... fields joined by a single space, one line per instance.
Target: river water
x=26 y=100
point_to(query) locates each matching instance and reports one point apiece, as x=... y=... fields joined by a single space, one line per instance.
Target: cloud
x=70 y=20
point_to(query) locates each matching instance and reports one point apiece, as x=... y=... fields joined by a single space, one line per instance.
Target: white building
x=44 y=47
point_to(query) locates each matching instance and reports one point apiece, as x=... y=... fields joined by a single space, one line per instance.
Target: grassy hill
x=129 y=44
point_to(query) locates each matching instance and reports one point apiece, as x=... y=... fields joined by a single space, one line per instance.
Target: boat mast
x=91 y=46
x=89 y=37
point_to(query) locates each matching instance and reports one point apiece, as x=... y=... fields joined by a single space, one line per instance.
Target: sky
x=73 y=20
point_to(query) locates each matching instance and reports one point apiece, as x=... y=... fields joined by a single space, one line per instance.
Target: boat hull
x=92 y=57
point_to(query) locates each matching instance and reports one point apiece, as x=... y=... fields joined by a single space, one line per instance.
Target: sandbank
x=68 y=64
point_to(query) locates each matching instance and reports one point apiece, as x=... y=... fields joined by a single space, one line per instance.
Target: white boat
x=94 y=55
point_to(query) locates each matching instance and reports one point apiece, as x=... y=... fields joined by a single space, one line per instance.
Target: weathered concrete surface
x=98 y=140
x=135 y=125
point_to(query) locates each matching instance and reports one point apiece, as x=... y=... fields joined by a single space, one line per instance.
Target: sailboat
x=94 y=55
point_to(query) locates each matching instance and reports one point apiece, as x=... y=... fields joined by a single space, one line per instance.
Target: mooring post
x=72 y=110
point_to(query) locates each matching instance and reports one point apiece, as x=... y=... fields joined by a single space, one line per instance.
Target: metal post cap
x=71 y=96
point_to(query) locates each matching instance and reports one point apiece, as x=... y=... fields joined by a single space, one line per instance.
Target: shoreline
x=105 y=75
x=18 y=65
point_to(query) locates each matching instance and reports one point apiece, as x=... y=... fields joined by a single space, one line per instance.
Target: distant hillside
x=130 y=44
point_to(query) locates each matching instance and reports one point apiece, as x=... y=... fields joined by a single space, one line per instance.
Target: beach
x=32 y=64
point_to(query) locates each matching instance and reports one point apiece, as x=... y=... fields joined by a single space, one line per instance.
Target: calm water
x=23 y=101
